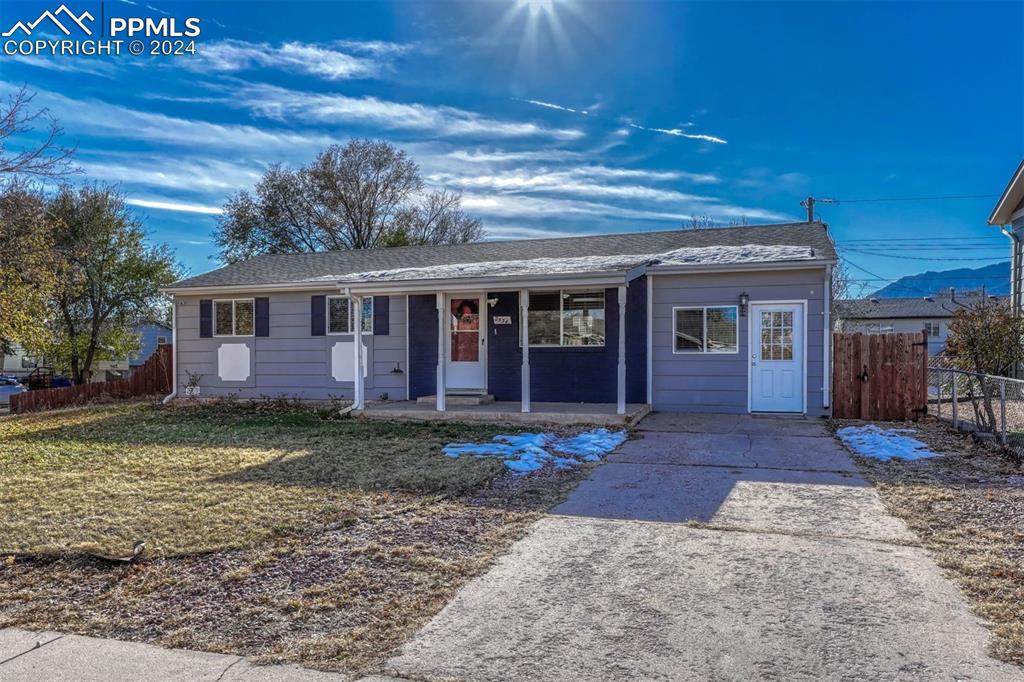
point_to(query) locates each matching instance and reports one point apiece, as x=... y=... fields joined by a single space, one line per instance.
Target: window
x=776 y=335
x=161 y=340
x=341 y=317
x=879 y=328
x=933 y=328
x=233 y=317
x=567 y=318
x=713 y=329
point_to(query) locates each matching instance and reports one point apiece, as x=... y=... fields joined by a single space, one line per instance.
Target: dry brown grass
x=282 y=536
x=967 y=506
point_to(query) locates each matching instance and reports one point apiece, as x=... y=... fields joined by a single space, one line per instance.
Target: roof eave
x=1009 y=200
x=741 y=267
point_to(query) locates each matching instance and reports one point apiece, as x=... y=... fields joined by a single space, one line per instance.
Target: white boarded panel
x=233 y=362
x=788 y=380
x=343 y=365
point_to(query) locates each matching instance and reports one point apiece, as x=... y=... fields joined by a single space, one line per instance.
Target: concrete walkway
x=795 y=572
x=53 y=657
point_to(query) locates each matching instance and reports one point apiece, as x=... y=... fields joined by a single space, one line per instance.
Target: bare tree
x=42 y=154
x=707 y=222
x=364 y=194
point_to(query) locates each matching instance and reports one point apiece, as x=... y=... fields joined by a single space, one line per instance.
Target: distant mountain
x=995 y=278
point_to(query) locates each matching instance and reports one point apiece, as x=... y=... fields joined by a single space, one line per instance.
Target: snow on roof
x=704 y=255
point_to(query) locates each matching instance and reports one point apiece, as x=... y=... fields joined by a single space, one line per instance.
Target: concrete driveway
x=711 y=548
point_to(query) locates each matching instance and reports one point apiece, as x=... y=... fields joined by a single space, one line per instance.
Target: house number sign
x=502 y=319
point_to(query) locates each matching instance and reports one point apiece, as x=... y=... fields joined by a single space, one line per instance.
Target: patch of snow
x=702 y=255
x=884 y=444
x=528 y=452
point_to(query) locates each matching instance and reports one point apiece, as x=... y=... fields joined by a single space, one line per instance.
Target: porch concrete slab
x=761 y=500
x=16 y=642
x=89 y=659
x=587 y=599
x=600 y=414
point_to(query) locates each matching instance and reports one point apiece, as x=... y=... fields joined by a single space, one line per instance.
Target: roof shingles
x=273 y=269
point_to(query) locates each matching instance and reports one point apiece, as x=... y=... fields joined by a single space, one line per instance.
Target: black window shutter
x=381 y=315
x=205 y=318
x=262 y=315
x=318 y=316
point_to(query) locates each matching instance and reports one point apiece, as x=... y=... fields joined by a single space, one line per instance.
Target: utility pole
x=809 y=203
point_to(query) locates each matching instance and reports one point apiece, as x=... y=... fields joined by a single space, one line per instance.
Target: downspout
x=174 y=352
x=826 y=381
x=1014 y=268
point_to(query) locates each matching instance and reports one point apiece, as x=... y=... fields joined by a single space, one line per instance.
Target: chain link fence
x=980 y=403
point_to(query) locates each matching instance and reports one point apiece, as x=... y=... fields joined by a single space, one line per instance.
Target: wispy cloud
x=166 y=205
x=167 y=171
x=677 y=132
x=112 y=120
x=291 y=105
x=557 y=107
x=229 y=56
x=149 y=7
x=379 y=47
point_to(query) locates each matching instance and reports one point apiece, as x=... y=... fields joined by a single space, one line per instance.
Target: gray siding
x=291 y=362
x=719 y=383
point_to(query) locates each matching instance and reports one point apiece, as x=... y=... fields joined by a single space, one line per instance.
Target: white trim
x=705 y=309
x=1019 y=213
x=524 y=329
x=327 y=314
x=650 y=339
x=407 y=368
x=233 y=301
x=739 y=267
x=174 y=349
x=442 y=328
x=359 y=382
x=620 y=407
x=1013 y=191
x=750 y=347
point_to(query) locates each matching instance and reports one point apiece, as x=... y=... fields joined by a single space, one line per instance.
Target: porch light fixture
x=744 y=301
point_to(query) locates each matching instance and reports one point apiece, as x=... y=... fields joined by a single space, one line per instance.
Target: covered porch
x=553 y=346
x=600 y=414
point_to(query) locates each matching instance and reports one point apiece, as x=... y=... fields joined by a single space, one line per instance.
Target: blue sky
x=568 y=117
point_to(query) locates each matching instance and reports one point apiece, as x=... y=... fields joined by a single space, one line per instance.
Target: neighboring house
x=17 y=363
x=715 y=320
x=151 y=336
x=886 y=315
x=1008 y=215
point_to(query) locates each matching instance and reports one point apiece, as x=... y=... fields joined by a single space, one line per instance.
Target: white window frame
x=938 y=329
x=234 y=317
x=704 y=312
x=351 y=317
x=561 y=319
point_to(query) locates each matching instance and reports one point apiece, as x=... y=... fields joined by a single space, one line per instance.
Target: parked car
x=9 y=386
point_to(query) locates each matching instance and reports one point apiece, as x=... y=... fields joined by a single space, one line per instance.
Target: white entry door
x=777 y=357
x=465 y=355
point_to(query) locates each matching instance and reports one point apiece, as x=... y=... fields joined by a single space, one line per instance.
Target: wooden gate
x=880 y=376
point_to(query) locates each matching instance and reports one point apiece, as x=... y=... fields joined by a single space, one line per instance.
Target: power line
x=928 y=258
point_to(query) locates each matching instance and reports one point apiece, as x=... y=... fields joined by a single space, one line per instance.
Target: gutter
x=1015 y=302
x=174 y=352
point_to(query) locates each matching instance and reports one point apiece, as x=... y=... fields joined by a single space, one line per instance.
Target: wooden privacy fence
x=152 y=377
x=880 y=376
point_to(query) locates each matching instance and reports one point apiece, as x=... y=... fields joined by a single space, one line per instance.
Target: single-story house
x=1008 y=216
x=714 y=320
x=887 y=315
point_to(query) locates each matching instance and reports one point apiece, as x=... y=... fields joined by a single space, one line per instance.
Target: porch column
x=441 y=320
x=621 y=406
x=358 y=386
x=524 y=327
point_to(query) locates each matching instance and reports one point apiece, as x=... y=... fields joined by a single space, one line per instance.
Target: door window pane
x=689 y=330
x=223 y=318
x=777 y=335
x=465 y=329
x=721 y=329
x=583 y=318
x=544 y=319
x=243 y=318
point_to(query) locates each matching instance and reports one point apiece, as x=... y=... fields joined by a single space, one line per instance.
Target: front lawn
x=967 y=506
x=279 y=534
